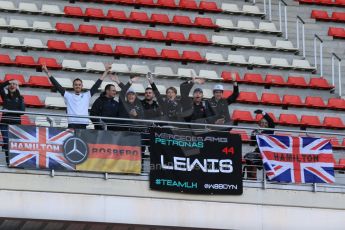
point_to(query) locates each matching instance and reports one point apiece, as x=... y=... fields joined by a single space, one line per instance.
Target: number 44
x=228 y=150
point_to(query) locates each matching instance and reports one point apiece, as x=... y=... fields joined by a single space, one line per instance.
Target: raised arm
x=232 y=98
x=56 y=84
x=155 y=90
x=2 y=89
x=98 y=83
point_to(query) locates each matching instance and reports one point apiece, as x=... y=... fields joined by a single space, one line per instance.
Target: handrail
x=335 y=56
x=285 y=18
x=188 y=124
x=299 y=19
x=316 y=37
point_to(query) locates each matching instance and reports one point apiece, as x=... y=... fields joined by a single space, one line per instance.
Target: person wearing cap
x=12 y=100
x=77 y=102
x=130 y=105
x=150 y=106
x=106 y=106
x=254 y=159
x=220 y=105
x=195 y=109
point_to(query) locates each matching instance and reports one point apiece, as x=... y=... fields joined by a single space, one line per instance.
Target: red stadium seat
x=118 y=15
x=338 y=16
x=132 y=33
x=227 y=93
x=32 y=101
x=88 y=29
x=227 y=76
x=176 y=37
x=94 y=13
x=182 y=20
x=39 y=81
x=192 y=56
x=209 y=6
x=125 y=51
x=160 y=18
x=65 y=27
x=341 y=165
x=204 y=22
x=340 y=2
x=292 y=100
x=312 y=121
x=155 y=35
x=336 y=103
x=188 y=4
x=343 y=143
x=270 y=99
x=320 y=14
x=244 y=135
x=51 y=63
x=288 y=119
x=166 y=3
x=248 y=97
x=80 y=47
x=296 y=82
x=333 y=122
x=334 y=141
x=314 y=102
x=110 y=31
x=145 y=2
x=198 y=38
x=274 y=80
x=148 y=52
x=170 y=54
x=103 y=49
x=57 y=45
x=139 y=17
x=129 y=2
x=74 y=11
x=319 y=83
x=242 y=116
x=253 y=78
x=5 y=59
x=25 y=61
x=19 y=77
x=336 y=32
x=25 y=120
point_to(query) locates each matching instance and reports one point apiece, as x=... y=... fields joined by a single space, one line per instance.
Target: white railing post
x=334 y=56
x=297 y=33
x=317 y=38
x=265 y=8
x=321 y=58
x=299 y=19
x=280 y=15
x=303 y=39
x=270 y=10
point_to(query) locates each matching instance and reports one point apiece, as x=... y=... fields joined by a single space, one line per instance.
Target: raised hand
x=106 y=72
x=199 y=81
x=45 y=70
x=134 y=79
x=233 y=76
x=149 y=77
x=115 y=78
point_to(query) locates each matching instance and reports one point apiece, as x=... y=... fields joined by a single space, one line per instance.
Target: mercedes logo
x=75 y=150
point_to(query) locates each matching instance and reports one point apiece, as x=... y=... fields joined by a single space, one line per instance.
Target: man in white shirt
x=77 y=102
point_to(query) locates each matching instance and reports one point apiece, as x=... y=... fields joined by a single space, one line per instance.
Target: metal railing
x=334 y=56
x=298 y=21
x=259 y=180
x=280 y=2
x=317 y=38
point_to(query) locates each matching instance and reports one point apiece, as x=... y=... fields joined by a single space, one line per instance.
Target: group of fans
x=154 y=106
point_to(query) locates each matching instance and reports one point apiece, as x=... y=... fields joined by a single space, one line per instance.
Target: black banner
x=204 y=163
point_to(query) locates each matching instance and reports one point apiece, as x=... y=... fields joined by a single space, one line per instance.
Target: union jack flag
x=38 y=147
x=297 y=159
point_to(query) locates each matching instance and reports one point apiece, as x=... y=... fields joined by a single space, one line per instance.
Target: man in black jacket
x=105 y=106
x=150 y=106
x=220 y=105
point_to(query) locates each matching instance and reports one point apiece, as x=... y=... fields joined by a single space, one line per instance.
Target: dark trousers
x=77 y=126
x=4 y=133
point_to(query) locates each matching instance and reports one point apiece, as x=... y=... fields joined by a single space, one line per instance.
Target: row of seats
x=323 y=15
x=338 y=3
x=336 y=32
x=225 y=24
x=292 y=120
x=291 y=101
x=30 y=101
x=157 y=35
x=175 y=55
x=193 y=5
x=335 y=141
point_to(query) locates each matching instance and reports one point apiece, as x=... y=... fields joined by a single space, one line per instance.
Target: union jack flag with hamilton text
x=297 y=159
x=38 y=147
